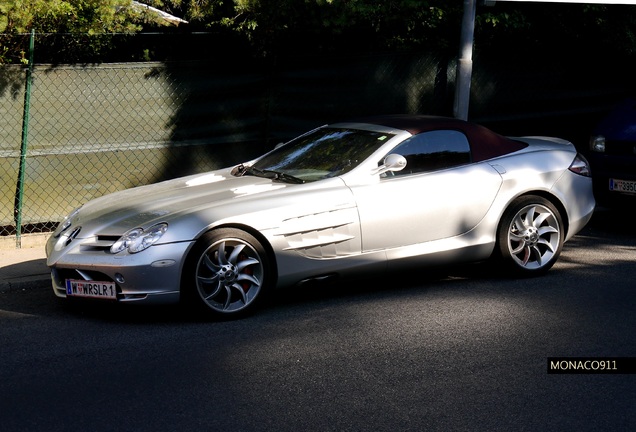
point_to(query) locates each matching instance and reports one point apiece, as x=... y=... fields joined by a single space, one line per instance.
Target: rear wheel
x=227 y=273
x=530 y=236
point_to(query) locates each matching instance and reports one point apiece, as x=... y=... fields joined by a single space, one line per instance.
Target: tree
x=272 y=27
x=557 y=28
x=79 y=30
x=67 y=16
x=289 y=25
x=293 y=25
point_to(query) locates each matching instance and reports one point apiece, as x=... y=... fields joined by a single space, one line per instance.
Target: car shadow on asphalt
x=618 y=220
x=608 y=228
x=392 y=283
x=40 y=301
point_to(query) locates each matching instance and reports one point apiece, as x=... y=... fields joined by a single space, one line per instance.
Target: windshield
x=325 y=152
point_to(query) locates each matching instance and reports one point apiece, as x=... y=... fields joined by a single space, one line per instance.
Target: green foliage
x=372 y=24
x=271 y=27
x=72 y=18
x=555 y=28
x=286 y=25
x=67 y=16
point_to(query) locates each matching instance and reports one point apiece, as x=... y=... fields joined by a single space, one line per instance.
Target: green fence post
x=19 y=190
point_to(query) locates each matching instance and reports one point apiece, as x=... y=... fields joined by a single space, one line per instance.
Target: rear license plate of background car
x=622 y=186
x=92 y=289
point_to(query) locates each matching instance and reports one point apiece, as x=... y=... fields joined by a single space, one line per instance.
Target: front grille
x=620 y=148
x=88 y=275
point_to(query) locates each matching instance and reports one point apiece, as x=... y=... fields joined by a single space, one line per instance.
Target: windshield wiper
x=270 y=174
x=287 y=178
x=250 y=170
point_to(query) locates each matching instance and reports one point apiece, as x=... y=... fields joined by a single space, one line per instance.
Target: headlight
x=597 y=144
x=139 y=239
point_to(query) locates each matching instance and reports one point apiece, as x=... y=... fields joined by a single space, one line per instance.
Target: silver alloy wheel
x=534 y=237
x=229 y=275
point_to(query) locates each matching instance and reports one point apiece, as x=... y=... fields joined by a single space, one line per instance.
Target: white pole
x=465 y=63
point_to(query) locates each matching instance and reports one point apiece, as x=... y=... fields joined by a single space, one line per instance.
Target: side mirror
x=393 y=162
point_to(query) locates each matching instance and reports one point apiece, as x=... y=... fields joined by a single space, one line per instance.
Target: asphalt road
x=454 y=349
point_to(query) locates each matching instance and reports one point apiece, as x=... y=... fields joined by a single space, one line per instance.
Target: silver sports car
x=343 y=199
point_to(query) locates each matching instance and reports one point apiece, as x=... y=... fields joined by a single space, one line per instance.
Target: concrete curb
x=25 y=283
x=22 y=269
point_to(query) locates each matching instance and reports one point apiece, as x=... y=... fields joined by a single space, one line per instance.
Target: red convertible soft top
x=484 y=143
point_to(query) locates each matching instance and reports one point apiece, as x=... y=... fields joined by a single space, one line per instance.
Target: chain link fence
x=98 y=128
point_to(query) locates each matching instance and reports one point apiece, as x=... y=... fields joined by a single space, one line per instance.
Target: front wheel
x=530 y=236
x=227 y=273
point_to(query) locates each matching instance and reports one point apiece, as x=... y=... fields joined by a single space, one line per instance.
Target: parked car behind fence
x=613 y=156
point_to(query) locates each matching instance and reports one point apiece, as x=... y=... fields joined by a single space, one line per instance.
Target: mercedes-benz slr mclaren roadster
x=344 y=199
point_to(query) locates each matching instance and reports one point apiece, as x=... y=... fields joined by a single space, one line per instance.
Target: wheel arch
x=556 y=202
x=257 y=245
x=516 y=204
x=256 y=234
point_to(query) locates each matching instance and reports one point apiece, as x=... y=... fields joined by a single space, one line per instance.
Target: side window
x=435 y=150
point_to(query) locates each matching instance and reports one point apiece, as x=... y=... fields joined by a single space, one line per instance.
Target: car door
x=439 y=194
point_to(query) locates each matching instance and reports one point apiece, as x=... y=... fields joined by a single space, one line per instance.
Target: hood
x=620 y=124
x=143 y=206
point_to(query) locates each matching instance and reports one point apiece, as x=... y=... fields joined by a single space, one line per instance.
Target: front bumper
x=151 y=276
x=606 y=167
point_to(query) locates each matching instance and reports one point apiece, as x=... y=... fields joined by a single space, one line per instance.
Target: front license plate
x=624 y=186
x=92 y=289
